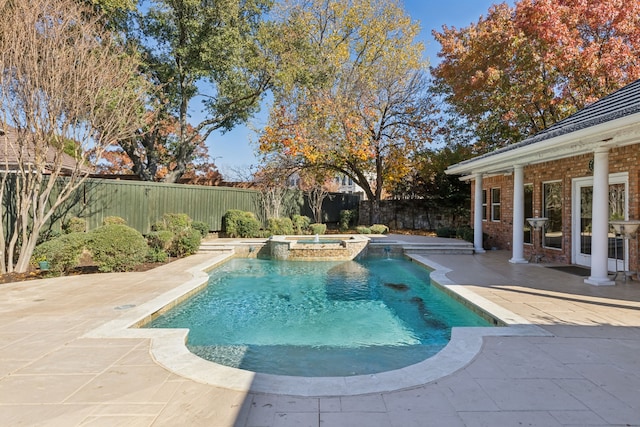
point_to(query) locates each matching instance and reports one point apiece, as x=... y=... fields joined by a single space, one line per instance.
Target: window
x=484 y=205
x=552 y=209
x=495 y=204
x=528 y=212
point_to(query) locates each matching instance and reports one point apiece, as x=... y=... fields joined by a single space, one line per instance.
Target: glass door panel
x=583 y=207
x=586 y=199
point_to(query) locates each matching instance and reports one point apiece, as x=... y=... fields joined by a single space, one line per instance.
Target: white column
x=477 y=217
x=600 y=219
x=517 y=254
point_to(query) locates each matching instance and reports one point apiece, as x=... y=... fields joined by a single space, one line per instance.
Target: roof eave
x=614 y=133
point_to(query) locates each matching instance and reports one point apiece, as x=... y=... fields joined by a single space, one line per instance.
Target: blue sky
x=234 y=151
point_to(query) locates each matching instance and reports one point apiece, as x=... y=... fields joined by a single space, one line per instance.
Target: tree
x=200 y=51
x=65 y=85
x=351 y=96
x=316 y=185
x=519 y=70
x=276 y=199
x=151 y=154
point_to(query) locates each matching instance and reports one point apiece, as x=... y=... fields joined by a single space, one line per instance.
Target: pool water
x=318 y=318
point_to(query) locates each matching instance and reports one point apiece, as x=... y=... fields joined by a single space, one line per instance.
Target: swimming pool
x=318 y=318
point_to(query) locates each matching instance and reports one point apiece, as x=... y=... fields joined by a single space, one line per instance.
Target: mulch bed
x=35 y=274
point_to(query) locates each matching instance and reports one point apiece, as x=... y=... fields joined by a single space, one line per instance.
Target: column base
x=479 y=250
x=518 y=261
x=599 y=281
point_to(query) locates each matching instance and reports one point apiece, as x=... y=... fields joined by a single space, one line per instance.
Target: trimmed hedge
x=318 y=228
x=160 y=240
x=202 y=227
x=280 y=226
x=174 y=222
x=117 y=247
x=379 y=229
x=363 y=229
x=74 y=225
x=239 y=223
x=62 y=253
x=185 y=243
x=114 y=220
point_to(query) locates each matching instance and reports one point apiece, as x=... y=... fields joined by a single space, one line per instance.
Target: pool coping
x=168 y=346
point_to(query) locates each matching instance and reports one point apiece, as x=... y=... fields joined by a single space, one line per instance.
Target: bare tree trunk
x=67 y=91
x=316 y=196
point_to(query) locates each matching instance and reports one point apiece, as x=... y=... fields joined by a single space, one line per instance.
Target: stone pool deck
x=584 y=371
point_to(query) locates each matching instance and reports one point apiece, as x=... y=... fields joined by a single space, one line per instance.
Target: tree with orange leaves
x=518 y=70
x=151 y=155
x=351 y=97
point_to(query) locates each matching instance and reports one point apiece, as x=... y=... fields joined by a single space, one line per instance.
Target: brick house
x=580 y=174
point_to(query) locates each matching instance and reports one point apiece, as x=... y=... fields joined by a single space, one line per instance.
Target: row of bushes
x=374 y=229
x=245 y=224
x=117 y=247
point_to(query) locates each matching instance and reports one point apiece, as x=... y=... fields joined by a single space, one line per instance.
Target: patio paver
x=586 y=372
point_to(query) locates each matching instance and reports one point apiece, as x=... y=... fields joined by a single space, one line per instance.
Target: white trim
x=617 y=133
x=587 y=181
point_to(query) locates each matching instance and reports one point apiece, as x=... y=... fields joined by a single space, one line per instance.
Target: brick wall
x=624 y=159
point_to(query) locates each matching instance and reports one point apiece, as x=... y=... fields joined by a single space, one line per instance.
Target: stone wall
x=414 y=215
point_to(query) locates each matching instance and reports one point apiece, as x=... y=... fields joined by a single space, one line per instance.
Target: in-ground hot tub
x=339 y=247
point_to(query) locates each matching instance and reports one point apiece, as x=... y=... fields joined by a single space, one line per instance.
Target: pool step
x=463 y=248
x=213 y=247
x=439 y=247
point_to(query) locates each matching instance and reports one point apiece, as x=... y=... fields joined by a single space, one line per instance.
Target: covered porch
x=577 y=178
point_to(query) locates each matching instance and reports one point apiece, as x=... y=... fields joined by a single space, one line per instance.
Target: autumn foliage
x=518 y=70
x=350 y=98
x=151 y=154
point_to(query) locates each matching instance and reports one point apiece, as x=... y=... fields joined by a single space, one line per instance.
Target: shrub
x=47 y=235
x=347 y=218
x=117 y=247
x=280 y=226
x=185 y=243
x=174 y=222
x=159 y=226
x=157 y=255
x=114 y=220
x=239 y=223
x=202 y=227
x=74 y=225
x=62 y=253
x=379 y=229
x=465 y=233
x=363 y=230
x=160 y=240
x=318 y=228
x=446 y=232
x=301 y=224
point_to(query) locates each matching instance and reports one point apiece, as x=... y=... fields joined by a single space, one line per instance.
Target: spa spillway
x=317 y=248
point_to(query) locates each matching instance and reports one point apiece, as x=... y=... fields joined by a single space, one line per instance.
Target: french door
x=582 y=202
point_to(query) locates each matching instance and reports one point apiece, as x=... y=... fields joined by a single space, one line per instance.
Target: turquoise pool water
x=318 y=318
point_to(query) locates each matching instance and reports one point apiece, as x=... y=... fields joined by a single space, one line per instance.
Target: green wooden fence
x=143 y=203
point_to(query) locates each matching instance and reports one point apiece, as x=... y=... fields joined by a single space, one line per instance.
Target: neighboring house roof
x=12 y=152
x=609 y=115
